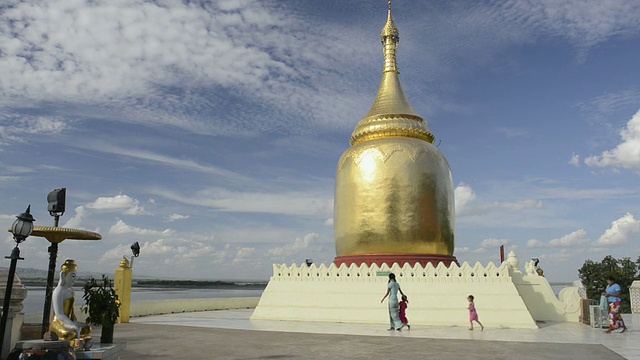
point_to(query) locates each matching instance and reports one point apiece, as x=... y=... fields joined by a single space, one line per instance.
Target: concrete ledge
x=159 y=307
x=103 y=351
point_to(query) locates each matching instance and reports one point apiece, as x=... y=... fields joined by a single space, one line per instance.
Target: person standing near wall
x=394 y=307
x=612 y=293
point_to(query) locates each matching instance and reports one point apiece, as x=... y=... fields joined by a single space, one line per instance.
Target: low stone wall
x=159 y=307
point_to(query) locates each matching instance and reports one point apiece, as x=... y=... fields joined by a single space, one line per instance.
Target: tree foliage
x=594 y=277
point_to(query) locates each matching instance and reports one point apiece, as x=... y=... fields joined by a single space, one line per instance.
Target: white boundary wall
x=437 y=296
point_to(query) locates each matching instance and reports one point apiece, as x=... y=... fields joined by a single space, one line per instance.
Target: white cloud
x=534 y=243
x=76 y=221
x=164 y=160
x=583 y=194
x=122 y=59
x=244 y=255
x=175 y=217
x=22 y=127
x=466 y=204
x=296 y=203
x=463 y=195
x=584 y=22
x=120 y=228
x=492 y=242
x=627 y=154
x=461 y=250
x=123 y=203
x=329 y=222
x=575 y=160
x=621 y=231
x=511 y=133
x=575 y=238
x=296 y=247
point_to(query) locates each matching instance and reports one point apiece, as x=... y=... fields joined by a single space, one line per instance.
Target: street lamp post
x=56 y=200
x=21 y=230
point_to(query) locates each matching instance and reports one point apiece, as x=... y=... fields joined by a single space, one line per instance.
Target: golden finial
x=390 y=38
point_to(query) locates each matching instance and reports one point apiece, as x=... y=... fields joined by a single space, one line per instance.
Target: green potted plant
x=101 y=306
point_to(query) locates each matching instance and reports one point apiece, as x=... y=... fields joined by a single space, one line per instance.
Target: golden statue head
x=69 y=266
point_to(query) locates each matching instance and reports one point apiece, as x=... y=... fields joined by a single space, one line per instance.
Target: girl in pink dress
x=473 y=315
x=403 y=312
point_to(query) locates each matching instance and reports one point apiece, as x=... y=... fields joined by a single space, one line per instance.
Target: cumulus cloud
x=534 y=243
x=621 y=231
x=512 y=133
x=120 y=228
x=492 y=242
x=464 y=195
x=461 y=250
x=244 y=255
x=297 y=246
x=627 y=154
x=123 y=204
x=169 y=251
x=76 y=221
x=575 y=160
x=175 y=217
x=577 y=237
x=466 y=204
x=120 y=203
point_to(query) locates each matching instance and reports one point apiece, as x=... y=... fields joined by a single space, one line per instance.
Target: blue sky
x=210 y=132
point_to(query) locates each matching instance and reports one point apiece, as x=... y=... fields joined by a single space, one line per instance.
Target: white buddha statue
x=64 y=322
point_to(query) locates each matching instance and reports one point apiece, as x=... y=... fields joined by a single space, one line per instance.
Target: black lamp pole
x=21 y=229
x=56 y=200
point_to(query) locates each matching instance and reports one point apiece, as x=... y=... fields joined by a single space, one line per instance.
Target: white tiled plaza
x=625 y=344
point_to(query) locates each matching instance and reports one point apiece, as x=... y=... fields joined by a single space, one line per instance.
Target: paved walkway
x=230 y=334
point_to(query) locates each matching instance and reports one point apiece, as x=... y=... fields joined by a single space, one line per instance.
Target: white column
x=16 y=315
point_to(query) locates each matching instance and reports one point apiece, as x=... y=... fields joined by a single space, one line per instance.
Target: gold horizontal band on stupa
x=377 y=127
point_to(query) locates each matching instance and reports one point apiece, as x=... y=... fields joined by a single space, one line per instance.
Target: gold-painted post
x=122 y=286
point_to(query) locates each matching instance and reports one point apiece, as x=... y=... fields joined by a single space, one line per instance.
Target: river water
x=34 y=303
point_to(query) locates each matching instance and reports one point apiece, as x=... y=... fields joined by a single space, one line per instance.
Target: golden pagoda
x=394 y=191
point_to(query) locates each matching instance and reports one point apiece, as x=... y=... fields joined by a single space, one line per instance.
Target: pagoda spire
x=391 y=113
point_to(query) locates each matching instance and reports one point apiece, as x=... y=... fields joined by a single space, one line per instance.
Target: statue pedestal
x=40 y=349
x=103 y=351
